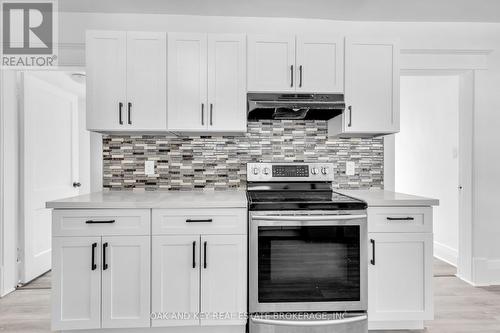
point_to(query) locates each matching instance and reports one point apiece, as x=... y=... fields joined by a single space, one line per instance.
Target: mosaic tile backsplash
x=219 y=162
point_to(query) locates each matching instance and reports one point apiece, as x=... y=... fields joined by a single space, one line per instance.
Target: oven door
x=313 y=262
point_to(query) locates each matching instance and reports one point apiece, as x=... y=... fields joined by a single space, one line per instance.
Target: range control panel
x=267 y=172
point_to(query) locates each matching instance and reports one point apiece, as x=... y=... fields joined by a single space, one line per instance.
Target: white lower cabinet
x=223 y=279
x=175 y=279
x=76 y=283
x=400 y=278
x=126 y=281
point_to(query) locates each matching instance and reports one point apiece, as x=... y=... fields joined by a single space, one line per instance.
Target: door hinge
x=19 y=255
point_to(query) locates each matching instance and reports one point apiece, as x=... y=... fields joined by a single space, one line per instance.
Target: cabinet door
x=223 y=278
x=106 y=80
x=320 y=64
x=125 y=281
x=146 y=81
x=271 y=63
x=400 y=279
x=227 y=83
x=76 y=283
x=371 y=87
x=175 y=279
x=187 y=82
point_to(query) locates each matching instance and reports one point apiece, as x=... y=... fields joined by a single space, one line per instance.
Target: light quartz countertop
x=383 y=198
x=158 y=199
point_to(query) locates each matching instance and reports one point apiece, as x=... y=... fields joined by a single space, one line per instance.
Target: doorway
x=46 y=157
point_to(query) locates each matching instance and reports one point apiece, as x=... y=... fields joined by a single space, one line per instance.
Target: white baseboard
x=446 y=253
x=486 y=272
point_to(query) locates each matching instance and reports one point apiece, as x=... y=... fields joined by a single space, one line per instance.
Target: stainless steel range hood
x=294 y=106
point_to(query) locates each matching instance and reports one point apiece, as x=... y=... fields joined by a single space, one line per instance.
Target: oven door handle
x=307 y=323
x=310 y=218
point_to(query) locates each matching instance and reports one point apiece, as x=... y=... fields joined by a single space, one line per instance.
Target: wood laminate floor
x=459 y=307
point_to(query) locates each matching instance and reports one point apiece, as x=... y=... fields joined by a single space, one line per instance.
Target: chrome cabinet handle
x=211 y=114
x=129 y=113
x=291 y=76
x=198 y=220
x=300 y=76
x=349 y=124
x=97 y=222
x=309 y=217
x=372 y=261
x=203 y=113
x=120 y=107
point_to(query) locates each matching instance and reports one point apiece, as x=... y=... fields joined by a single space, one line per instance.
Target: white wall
x=426 y=152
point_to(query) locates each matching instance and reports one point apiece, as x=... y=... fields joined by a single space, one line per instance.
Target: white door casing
x=49 y=163
x=76 y=286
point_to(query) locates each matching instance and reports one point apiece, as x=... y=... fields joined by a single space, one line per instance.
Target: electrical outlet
x=350 y=168
x=149 y=168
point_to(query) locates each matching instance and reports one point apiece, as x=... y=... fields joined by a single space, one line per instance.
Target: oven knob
x=324 y=171
x=314 y=171
x=255 y=171
x=266 y=171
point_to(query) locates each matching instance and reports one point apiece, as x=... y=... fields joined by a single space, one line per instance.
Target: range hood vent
x=294 y=106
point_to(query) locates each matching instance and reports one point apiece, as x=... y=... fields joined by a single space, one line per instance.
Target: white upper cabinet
x=226 y=83
x=126 y=85
x=371 y=90
x=106 y=79
x=306 y=63
x=206 y=82
x=187 y=81
x=320 y=64
x=271 y=62
x=147 y=80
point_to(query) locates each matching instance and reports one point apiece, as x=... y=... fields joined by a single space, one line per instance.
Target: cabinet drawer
x=97 y=222
x=199 y=221
x=400 y=219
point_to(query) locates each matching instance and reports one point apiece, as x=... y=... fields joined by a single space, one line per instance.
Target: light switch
x=350 y=168
x=149 y=168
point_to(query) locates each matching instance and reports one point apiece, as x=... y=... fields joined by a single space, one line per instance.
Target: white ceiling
x=356 y=10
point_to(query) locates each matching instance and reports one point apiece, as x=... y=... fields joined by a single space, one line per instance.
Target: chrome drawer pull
x=265 y=321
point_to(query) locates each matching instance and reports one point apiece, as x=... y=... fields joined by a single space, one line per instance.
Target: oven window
x=309 y=264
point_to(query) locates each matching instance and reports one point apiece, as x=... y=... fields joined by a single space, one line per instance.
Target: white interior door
x=49 y=157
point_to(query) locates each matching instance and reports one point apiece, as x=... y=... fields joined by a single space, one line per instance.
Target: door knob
x=76 y=184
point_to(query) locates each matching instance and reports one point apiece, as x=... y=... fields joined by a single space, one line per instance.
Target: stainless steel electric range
x=307 y=251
